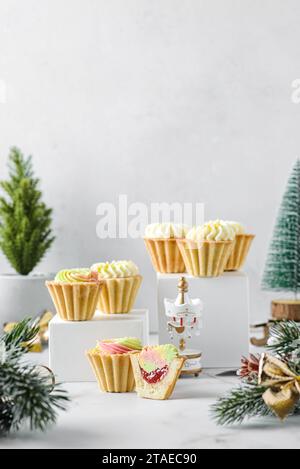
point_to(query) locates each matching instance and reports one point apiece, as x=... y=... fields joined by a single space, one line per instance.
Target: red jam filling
x=156 y=375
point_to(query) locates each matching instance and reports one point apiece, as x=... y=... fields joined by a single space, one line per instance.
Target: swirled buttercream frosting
x=115 y=269
x=217 y=230
x=166 y=230
x=238 y=228
x=76 y=275
x=123 y=345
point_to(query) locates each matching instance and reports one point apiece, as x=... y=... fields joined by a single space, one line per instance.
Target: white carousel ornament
x=184 y=321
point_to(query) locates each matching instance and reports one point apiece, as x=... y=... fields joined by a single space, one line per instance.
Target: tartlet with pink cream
x=110 y=361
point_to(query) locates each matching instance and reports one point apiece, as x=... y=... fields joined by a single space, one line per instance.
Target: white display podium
x=68 y=340
x=224 y=336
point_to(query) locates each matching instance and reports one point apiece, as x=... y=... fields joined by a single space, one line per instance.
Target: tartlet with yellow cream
x=206 y=248
x=242 y=244
x=161 y=243
x=121 y=282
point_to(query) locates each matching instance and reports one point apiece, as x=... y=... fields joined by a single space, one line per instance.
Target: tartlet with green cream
x=75 y=293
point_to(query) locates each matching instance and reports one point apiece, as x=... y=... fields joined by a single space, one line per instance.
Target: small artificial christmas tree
x=25 y=221
x=282 y=270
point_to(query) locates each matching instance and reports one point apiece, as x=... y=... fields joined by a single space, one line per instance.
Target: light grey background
x=163 y=100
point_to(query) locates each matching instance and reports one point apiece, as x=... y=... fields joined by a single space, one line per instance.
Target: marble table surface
x=100 y=420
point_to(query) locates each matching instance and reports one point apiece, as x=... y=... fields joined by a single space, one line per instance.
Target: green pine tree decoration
x=282 y=269
x=25 y=221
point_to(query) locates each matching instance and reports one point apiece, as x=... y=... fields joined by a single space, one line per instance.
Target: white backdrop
x=163 y=100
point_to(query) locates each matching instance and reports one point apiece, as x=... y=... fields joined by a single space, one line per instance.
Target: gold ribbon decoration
x=283 y=385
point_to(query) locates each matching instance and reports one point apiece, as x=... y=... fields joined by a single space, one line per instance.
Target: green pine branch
x=246 y=400
x=25 y=393
x=25 y=221
x=23 y=333
x=240 y=403
x=285 y=338
x=31 y=396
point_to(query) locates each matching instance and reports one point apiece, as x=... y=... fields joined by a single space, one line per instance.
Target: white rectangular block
x=224 y=335
x=68 y=340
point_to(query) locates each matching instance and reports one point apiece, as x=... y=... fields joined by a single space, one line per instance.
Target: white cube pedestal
x=68 y=340
x=224 y=335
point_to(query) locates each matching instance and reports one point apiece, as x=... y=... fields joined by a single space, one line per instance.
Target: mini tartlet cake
x=75 y=293
x=121 y=282
x=156 y=370
x=242 y=243
x=207 y=248
x=160 y=240
x=111 y=364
